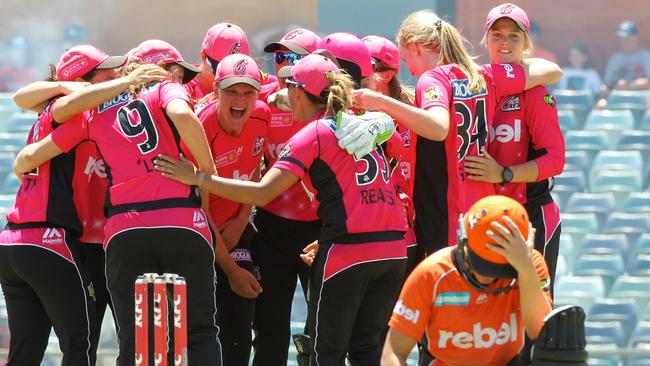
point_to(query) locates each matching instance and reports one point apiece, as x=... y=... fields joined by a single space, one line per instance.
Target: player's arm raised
x=35 y=96
x=540 y=72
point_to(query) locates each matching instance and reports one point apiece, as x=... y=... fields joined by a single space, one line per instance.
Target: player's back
x=130 y=133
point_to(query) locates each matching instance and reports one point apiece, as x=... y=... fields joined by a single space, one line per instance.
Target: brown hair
x=425 y=28
x=396 y=90
x=51 y=75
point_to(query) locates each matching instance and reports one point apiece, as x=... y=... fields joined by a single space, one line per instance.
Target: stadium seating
x=10 y=185
x=631 y=97
x=645 y=121
x=576 y=160
x=605 y=244
x=612 y=121
x=590 y=142
x=21 y=122
x=621 y=310
x=641 y=334
x=613 y=160
x=567 y=250
x=579 y=290
x=609 y=266
x=634 y=287
x=605 y=332
x=621 y=182
x=569 y=182
x=602 y=204
x=577 y=225
x=642 y=245
x=637 y=202
x=640 y=265
x=631 y=224
x=578 y=101
x=635 y=140
x=567 y=119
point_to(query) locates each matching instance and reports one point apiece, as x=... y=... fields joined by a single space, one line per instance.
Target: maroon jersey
x=526 y=127
x=235 y=157
x=295 y=203
x=441 y=190
x=45 y=194
x=358 y=202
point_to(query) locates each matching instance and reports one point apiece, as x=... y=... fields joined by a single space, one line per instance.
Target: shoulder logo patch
x=550 y=100
x=511 y=104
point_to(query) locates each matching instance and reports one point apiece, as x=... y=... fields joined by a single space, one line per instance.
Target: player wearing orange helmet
x=475 y=300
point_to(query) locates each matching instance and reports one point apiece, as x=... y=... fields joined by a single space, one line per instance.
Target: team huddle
x=411 y=217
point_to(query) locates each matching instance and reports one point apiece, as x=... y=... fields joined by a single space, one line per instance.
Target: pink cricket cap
x=349 y=47
x=312 y=73
x=383 y=50
x=224 y=39
x=153 y=51
x=511 y=11
x=80 y=60
x=301 y=41
x=235 y=69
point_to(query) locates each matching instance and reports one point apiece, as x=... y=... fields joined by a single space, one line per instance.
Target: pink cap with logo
x=349 y=47
x=301 y=41
x=383 y=50
x=80 y=60
x=155 y=51
x=312 y=73
x=235 y=69
x=225 y=39
x=507 y=10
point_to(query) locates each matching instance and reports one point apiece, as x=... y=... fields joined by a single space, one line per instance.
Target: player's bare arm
x=397 y=348
x=540 y=72
x=35 y=96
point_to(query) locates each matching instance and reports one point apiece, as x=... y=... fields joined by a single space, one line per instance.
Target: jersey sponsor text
x=480 y=337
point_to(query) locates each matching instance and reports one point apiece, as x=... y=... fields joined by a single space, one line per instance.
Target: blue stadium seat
x=602 y=204
x=7 y=101
x=5 y=117
x=578 y=97
x=21 y=122
x=637 y=202
x=589 y=141
x=635 y=140
x=579 y=290
x=640 y=265
x=7 y=138
x=621 y=310
x=608 y=266
x=635 y=287
x=7 y=200
x=642 y=245
x=605 y=244
x=600 y=354
x=569 y=182
x=633 y=97
x=605 y=332
x=6 y=163
x=567 y=119
x=631 y=224
x=621 y=182
x=568 y=251
x=611 y=159
x=613 y=121
x=640 y=335
x=576 y=160
x=645 y=121
x=561 y=266
x=10 y=186
x=637 y=111
x=577 y=225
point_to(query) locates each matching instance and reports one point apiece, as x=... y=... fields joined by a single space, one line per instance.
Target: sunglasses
x=291 y=82
x=290 y=57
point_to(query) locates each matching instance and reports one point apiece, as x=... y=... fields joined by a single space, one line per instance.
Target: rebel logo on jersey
x=480 y=337
x=505 y=133
x=406 y=313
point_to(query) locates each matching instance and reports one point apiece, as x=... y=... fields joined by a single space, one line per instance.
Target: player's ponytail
x=425 y=28
x=339 y=94
x=51 y=75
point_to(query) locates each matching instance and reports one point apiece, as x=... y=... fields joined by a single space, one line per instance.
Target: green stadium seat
x=636 y=288
x=621 y=182
x=612 y=121
x=577 y=225
x=637 y=202
x=579 y=290
x=621 y=310
x=576 y=160
x=631 y=224
x=605 y=332
x=567 y=119
x=608 y=266
x=601 y=203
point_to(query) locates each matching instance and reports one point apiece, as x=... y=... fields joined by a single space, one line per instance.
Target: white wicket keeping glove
x=359 y=135
x=280 y=99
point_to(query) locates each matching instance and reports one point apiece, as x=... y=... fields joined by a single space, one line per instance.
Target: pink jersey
x=358 y=198
x=130 y=133
x=194 y=89
x=294 y=203
x=236 y=157
x=45 y=195
x=526 y=127
x=441 y=190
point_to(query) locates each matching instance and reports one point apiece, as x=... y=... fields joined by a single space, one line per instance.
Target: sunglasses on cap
x=290 y=57
x=212 y=63
x=291 y=82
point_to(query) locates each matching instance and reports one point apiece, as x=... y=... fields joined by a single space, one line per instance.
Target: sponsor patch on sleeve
x=545 y=284
x=433 y=93
x=452 y=298
x=550 y=100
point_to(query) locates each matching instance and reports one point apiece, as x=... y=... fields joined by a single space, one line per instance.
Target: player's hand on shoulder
x=367 y=99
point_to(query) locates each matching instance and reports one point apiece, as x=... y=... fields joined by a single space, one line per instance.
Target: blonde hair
x=338 y=96
x=425 y=28
x=529 y=48
x=134 y=90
